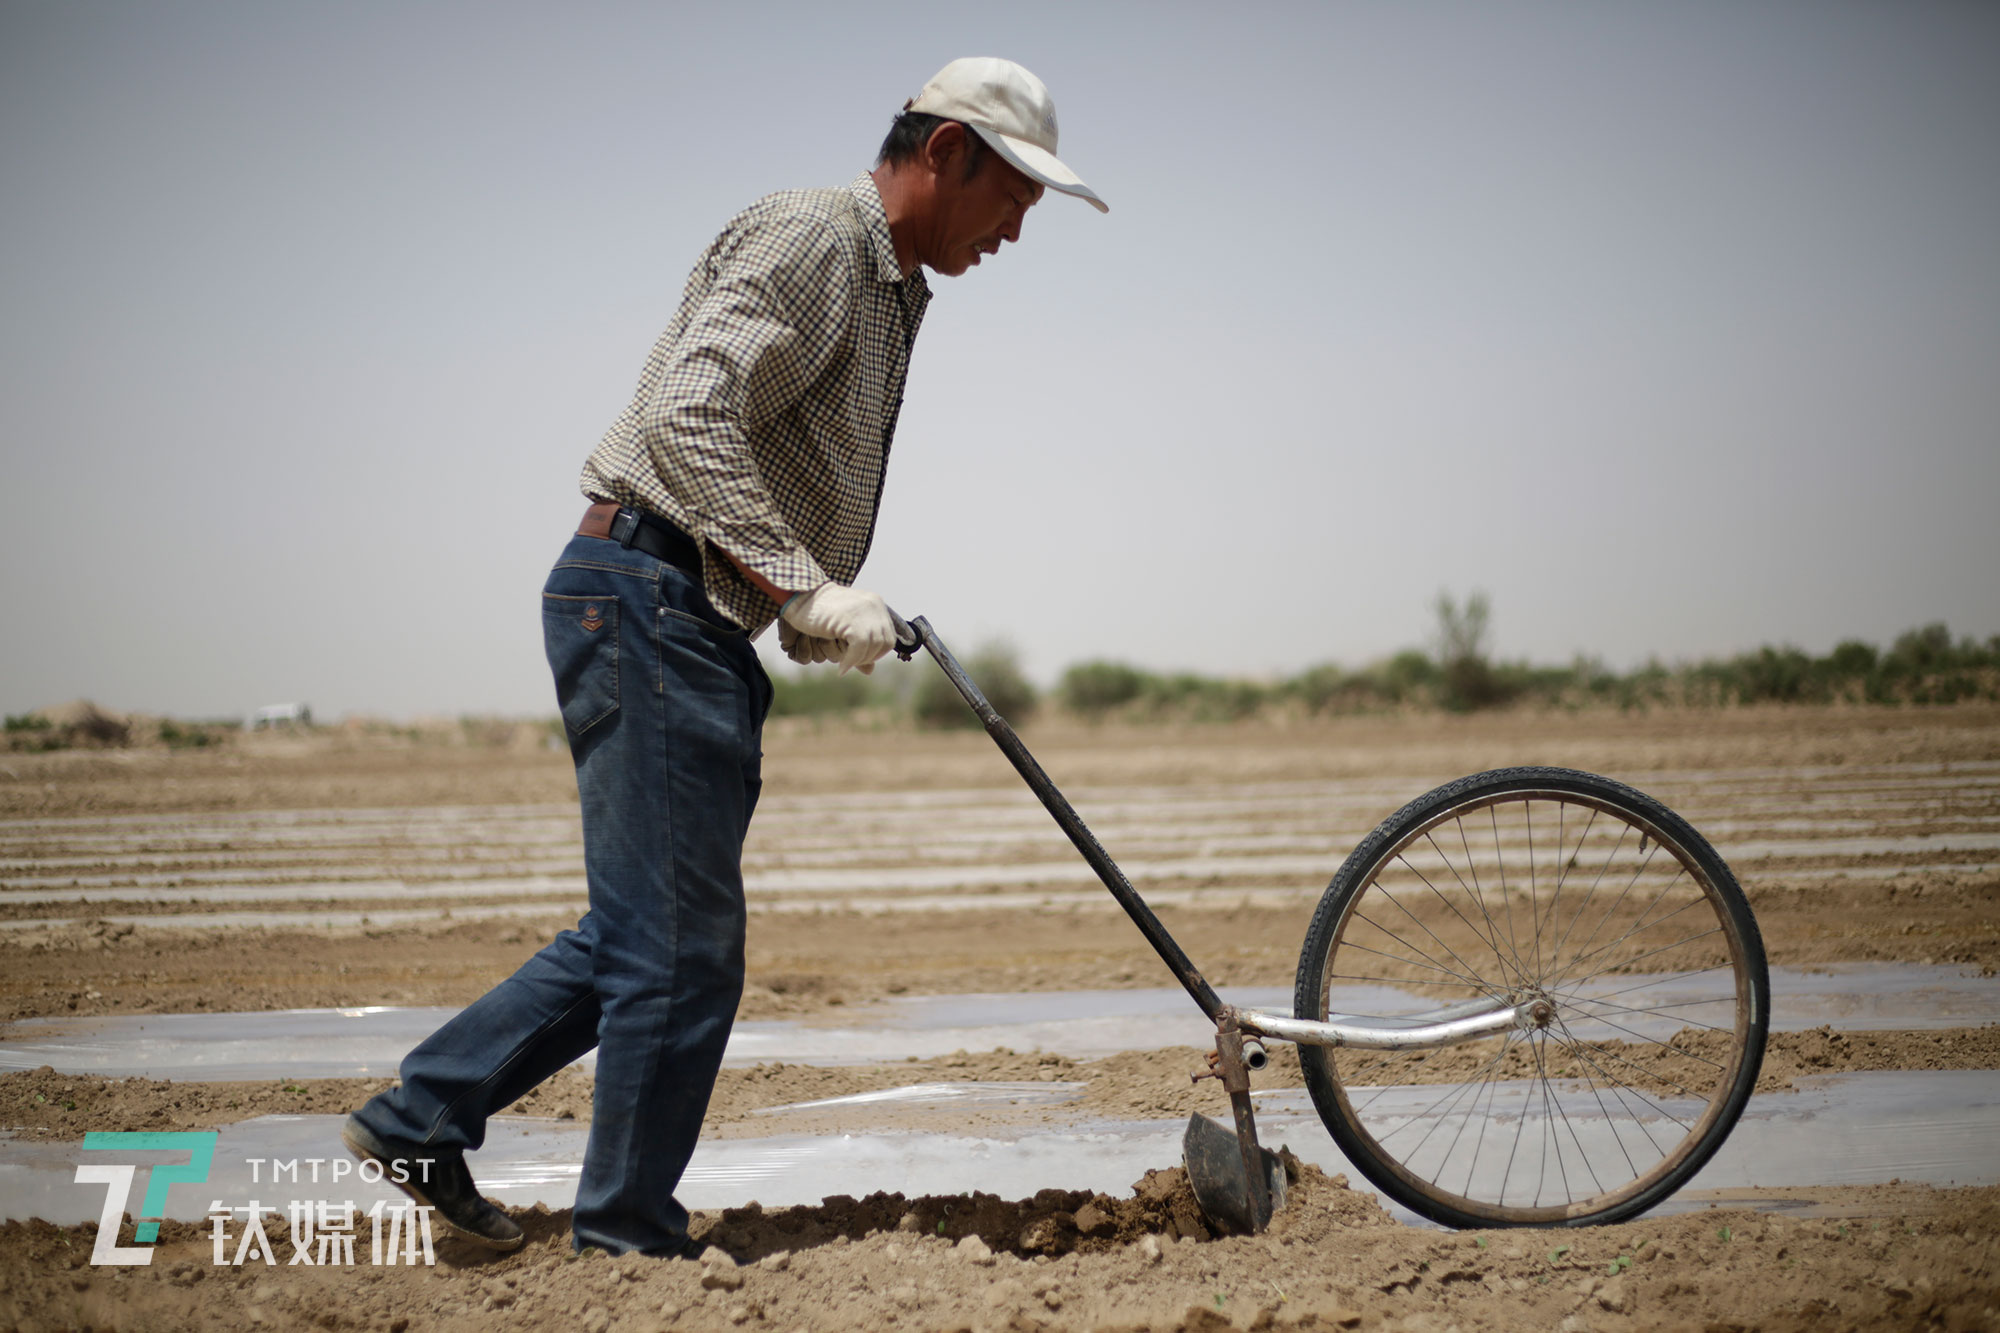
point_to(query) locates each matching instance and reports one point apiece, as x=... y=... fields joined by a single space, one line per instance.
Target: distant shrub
x=191 y=735
x=1920 y=652
x=1466 y=679
x=818 y=691
x=1584 y=680
x=33 y=732
x=1198 y=698
x=1095 y=688
x=1852 y=659
x=72 y=725
x=1923 y=666
x=1651 y=684
x=1408 y=676
x=1325 y=689
x=1777 y=675
x=996 y=669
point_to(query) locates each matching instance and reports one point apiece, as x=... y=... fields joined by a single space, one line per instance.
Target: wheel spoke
x=1548 y=1128
x=1663 y=980
x=1506 y=898
x=1472 y=868
x=1490 y=936
x=1465 y=979
x=1485 y=1123
x=1624 y=832
x=1650 y=953
x=1611 y=1121
x=1579 y=1003
x=1427 y=930
x=1583 y=1050
x=1472 y=1109
x=1534 y=894
x=1563 y=863
x=1623 y=893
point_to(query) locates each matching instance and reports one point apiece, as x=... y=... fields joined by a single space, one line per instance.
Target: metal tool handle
x=1244 y=1182
x=921 y=635
x=908 y=637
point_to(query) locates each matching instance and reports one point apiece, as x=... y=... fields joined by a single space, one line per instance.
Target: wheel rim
x=1648 y=1013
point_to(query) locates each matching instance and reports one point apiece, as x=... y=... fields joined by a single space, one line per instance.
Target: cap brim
x=1040 y=164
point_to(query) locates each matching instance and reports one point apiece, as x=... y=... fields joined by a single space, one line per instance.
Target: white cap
x=1011 y=110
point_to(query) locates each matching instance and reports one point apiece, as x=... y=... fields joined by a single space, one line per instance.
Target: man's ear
x=946 y=149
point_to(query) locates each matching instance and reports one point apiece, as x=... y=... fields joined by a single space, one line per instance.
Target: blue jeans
x=664 y=704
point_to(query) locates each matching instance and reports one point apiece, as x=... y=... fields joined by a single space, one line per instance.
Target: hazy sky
x=1675 y=327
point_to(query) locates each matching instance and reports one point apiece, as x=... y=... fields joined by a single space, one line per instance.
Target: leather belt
x=648 y=532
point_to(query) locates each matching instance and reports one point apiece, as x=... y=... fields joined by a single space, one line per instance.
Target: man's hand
x=856 y=624
x=804 y=648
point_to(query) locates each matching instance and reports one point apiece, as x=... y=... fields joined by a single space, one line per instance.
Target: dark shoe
x=687 y=1247
x=449 y=1190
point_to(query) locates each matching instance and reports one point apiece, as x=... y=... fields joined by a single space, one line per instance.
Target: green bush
x=1201 y=698
x=1852 y=659
x=189 y=735
x=1584 y=679
x=818 y=691
x=1095 y=688
x=1408 y=676
x=1466 y=678
x=996 y=670
x=1326 y=689
x=82 y=724
x=1776 y=675
x=33 y=732
x=1923 y=666
x=1921 y=652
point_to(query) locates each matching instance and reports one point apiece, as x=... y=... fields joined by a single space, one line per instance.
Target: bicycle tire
x=1627 y=1093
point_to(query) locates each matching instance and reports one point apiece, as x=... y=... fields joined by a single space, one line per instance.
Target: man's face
x=974 y=216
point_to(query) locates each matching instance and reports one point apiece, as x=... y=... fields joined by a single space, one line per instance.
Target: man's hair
x=911 y=130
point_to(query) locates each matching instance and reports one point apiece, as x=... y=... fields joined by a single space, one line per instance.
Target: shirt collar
x=876 y=219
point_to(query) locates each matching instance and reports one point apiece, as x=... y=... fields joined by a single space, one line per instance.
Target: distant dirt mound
x=77 y=723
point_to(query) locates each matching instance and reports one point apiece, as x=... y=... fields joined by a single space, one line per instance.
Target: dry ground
x=1886 y=1257
x=1881 y=1257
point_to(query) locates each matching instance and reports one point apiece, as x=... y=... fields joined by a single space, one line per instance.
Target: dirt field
x=108 y=860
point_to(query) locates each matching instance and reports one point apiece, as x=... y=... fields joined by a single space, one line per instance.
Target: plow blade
x=1215 y=1166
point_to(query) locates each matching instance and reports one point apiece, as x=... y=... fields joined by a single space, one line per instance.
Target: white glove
x=805 y=649
x=856 y=623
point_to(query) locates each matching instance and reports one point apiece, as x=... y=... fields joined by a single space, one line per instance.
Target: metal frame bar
x=1391 y=1034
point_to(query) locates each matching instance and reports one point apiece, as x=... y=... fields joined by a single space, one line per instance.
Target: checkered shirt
x=762 y=421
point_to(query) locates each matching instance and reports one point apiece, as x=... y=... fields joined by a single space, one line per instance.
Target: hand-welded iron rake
x=1530 y=997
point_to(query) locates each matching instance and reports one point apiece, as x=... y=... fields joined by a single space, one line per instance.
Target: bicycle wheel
x=1520 y=885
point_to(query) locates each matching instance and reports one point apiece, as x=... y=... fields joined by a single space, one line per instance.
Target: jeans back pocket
x=581 y=637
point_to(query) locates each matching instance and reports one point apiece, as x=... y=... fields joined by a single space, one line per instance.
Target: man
x=740 y=486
